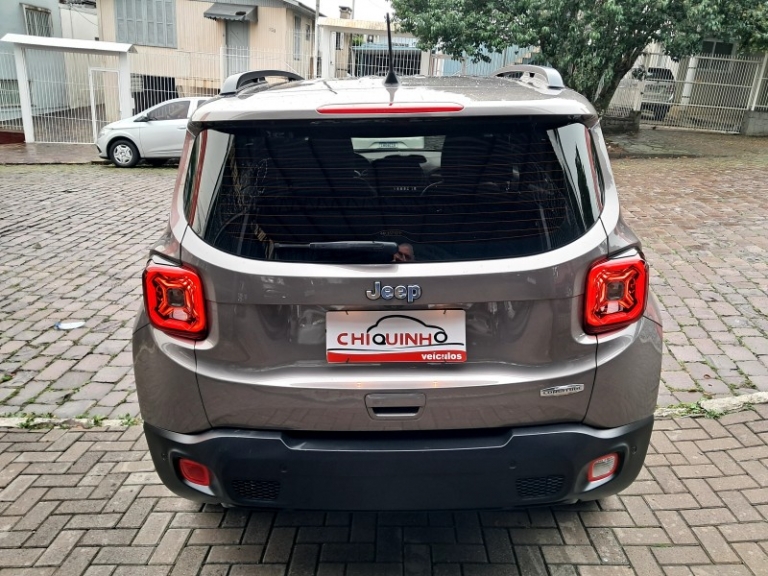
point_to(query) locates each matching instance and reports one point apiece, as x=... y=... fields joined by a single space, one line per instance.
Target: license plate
x=436 y=336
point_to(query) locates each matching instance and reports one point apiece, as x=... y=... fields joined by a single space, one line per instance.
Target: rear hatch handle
x=395 y=406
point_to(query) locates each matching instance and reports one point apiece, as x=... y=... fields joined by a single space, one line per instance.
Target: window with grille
x=146 y=22
x=38 y=21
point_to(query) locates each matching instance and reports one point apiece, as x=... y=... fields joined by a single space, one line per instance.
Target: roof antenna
x=391 y=79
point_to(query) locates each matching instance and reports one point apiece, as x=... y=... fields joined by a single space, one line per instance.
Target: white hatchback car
x=156 y=134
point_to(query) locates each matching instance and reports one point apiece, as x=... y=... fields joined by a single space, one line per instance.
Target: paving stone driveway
x=73 y=240
x=72 y=244
x=77 y=502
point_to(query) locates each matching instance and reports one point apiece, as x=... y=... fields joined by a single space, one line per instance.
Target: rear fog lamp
x=194 y=472
x=603 y=467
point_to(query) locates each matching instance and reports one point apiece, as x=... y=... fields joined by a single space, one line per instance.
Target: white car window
x=170 y=111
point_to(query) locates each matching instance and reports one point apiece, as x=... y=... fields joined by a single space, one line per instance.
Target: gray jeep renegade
x=410 y=296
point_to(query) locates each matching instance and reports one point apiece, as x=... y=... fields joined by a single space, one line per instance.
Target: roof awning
x=236 y=12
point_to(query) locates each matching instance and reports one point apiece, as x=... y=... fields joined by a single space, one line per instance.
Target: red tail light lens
x=173 y=297
x=616 y=294
x=194 y=472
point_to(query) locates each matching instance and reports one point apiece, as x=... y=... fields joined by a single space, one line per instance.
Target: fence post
x=690 y=77
x=222 y=65
x=25 y=100
x=757 y=84
x=124 y=85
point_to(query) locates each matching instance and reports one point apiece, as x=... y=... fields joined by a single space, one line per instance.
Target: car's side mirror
x=142 y=118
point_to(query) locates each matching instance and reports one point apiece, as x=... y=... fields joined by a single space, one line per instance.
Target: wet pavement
x=86 y=502
x=74 y=240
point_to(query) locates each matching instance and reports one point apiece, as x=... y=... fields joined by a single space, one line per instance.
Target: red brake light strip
x=393 y=108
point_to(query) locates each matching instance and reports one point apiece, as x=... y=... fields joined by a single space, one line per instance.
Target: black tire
x=123 y=154
x=156 y=162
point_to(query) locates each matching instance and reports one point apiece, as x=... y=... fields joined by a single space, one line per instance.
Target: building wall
x=269 y=33
x=44 y=69
x=197 y=63
x=300 y=65
x=78 y=21
x=194 y=32
x=12 y=17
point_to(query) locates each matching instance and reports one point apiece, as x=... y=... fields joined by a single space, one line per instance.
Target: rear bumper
x=401 y=471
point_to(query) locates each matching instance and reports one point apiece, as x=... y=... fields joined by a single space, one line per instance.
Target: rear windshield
x=402 y=190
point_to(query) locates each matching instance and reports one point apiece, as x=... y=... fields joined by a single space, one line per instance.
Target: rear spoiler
x=235 y=82
x=543 y=76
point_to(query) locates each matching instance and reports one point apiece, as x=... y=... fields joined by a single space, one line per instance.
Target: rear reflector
x=616 y=294
x=173 y=297
x=194 y=472
x=603 y=467
x=393 y=108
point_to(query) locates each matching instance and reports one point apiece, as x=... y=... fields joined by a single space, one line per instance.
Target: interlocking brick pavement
x=703 y=223
x=73 y=240
x=86 y=502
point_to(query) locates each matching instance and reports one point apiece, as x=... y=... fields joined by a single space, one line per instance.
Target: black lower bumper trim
x=401 y=471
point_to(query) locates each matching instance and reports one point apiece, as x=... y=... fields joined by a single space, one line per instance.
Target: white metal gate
x=703 y=92
x=104 y=88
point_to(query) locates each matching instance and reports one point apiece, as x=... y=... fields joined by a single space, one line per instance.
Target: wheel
x=123 y=153
x=156 y=161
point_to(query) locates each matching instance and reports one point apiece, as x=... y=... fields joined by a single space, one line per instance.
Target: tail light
x=173 y=297
x=616 y=295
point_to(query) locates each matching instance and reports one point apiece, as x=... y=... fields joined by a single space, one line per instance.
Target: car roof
x=479 y=96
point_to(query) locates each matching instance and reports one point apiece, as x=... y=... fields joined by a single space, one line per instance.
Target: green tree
x=593 y=43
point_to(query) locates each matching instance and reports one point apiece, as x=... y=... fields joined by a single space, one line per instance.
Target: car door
x=162 y=135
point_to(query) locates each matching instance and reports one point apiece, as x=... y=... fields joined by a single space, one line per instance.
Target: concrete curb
x=715 y=407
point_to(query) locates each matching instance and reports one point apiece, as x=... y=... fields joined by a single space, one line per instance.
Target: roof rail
x=528 y=72
x=233 y=83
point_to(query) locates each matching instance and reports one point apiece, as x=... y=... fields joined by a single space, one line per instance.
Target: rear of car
x=411 y=298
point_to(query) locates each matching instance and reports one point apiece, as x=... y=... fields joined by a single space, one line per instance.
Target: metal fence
x=443 y=65
x=74 y=95
x=10 y=107
x=362 y=55
x=698 y=93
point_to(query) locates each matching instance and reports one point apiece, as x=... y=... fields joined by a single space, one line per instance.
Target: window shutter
x=146 y=22
x=170 y=23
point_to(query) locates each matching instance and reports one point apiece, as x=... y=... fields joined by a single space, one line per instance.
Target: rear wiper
x=388 y=248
